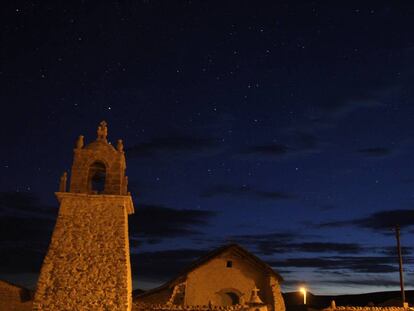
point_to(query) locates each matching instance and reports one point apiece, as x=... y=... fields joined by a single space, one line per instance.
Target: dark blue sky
x=285 y=126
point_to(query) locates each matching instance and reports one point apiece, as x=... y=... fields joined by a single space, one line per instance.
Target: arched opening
x=96 y=178
x=228 y=297
x=233 y=298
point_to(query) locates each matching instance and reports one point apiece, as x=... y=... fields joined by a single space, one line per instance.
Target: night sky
x=284 y=126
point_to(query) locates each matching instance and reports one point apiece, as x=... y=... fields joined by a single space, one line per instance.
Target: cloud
x=19 y=260
x=392 y=250
x=297 y=142
x=372 y=281
x=355 y=264
x=139 y=186
x=327 y=207
x=267 y=243
x=303 y=140
x=326 y=247
x=341 y=109
x=287 y=242
x=383 y=221
x=271 y=247
x=267 y=150
x=407 y=180
x=244 y=190
x=283 y=236
x=25 y=231
x=17 y=200
x=153 y=223
x=23 y=213
x=163 y=265
x=23 y=203
x=328 y=114
x=375 y=151
x=278 y=245
x=172 y=145
x=26 y=226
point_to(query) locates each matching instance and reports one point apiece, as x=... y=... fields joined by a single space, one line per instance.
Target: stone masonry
x=278 y=302
x=87 y=266
x=228 y=278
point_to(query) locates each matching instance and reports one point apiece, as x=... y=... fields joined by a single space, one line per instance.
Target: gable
x=233 y=251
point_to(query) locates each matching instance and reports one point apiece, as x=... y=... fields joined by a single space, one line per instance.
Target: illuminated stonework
x=228 y=278
x=87 y=266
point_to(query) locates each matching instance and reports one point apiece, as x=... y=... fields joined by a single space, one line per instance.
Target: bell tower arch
x=87 y=266
x=99 y=160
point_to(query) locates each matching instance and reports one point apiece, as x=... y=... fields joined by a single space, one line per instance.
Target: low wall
x=165 y=307
x=346 y=308
x=14 y=298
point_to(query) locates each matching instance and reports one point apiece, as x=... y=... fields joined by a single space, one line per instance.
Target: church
x=229 y=277
x=87 y=265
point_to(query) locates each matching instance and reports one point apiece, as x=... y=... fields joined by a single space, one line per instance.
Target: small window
x=229 y=264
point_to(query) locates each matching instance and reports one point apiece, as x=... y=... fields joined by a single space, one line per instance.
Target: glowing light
x=303 y=291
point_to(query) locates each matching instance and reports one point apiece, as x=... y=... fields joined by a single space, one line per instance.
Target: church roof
x=211 y=255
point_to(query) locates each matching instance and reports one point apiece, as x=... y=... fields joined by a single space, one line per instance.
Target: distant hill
x=294 y=300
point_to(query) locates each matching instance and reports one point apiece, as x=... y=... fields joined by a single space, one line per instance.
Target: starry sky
x=284 y=126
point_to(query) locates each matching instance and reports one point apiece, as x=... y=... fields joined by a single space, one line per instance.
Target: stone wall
x=210 y=281
x=224 y=278
x=113 y=160
x=162 y=296
x=348 y=308
x=87 y=266
x=14 y=298
x=167 y=307
x=278 y=301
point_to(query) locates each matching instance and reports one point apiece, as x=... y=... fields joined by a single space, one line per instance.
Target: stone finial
x=120 y=146
x=102 y=132
x=79 y=142
x=333 y=304
x=63 y=181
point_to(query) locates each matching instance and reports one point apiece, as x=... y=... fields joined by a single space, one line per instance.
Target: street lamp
x=303 y=291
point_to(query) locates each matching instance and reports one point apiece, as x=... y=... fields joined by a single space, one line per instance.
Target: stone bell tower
x=87 y=266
